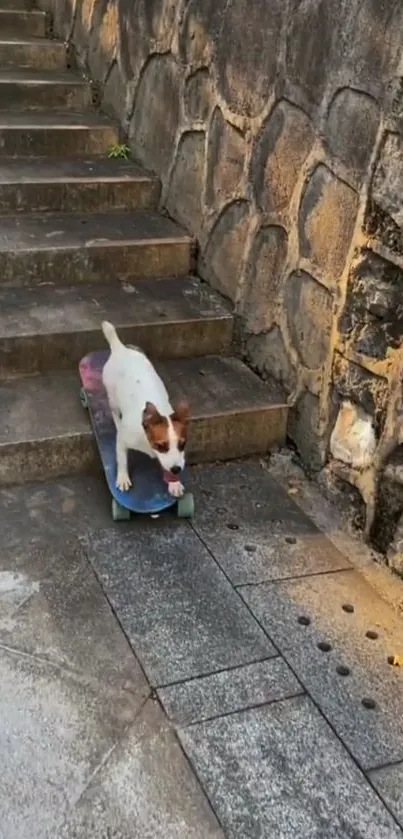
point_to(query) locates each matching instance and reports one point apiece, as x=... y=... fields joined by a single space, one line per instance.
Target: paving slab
x=321 y=624
x=52 y=607
x=55 y=730
x=49 y=512
x=83 y=752
x=229 y=691
x=389 y=783
x=178 y=610
x=279 y=771
x=146 y=790
x=255 y=530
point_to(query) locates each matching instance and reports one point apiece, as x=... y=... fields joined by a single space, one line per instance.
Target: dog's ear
x=151 y=416
x=181 y=413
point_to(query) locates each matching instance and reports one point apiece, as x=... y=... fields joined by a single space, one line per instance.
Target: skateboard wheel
x=186 y=506
x=84 y=398
x=119 y=513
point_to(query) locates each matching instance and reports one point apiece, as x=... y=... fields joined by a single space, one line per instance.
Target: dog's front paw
x=123 y=482
x=176 y=489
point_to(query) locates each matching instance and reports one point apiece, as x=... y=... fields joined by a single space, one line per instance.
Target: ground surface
x=229 y=678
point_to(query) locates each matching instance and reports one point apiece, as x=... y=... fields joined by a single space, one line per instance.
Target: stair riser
x=57 y=142
x=23 y=5
x=219 y=438
x=15 y=96
x=22 y=24
x=135 y=262
x=41 y=354
x=33 y=56
x=79 y=197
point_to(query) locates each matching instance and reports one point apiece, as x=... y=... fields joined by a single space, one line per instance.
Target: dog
x=143 y=415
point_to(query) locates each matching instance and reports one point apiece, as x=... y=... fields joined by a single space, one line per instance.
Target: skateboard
x=149 y=493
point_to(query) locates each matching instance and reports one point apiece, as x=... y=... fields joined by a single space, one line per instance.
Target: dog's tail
x=111 y=335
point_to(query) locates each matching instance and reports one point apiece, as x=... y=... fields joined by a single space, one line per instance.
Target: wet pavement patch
x=176 y=607
x=358 y=691
x=255 y=530
x=278 y=771
x=229 y=691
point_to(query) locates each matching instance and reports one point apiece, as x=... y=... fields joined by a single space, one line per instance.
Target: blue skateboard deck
x=149 y=493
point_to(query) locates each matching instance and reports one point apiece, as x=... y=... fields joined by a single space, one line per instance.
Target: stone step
x=37 y=89
x=56 y=134
x=21 y=23
x=31 y=54
x=51 y=328
x=73 y=184
x=44 y=431
x=66 y=249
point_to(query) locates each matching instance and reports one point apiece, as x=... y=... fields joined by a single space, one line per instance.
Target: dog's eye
x=162 y=447
x=181 y=445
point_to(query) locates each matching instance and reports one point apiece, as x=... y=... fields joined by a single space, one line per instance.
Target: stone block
x=303 y=428
x=263 y=274
x=221 y=262
x=373 y=315
x=83 y=20
x=198 y=96
x=359 y=385
x=326 y=223
x=245 y=56
x=103 y=39
x=312 y=44
x=155 y=119
x=351 y=131
x=387 y=186
x=133 y=45
x=308 y=306
x=159 y=20
x=195 y=37
x=372 y=44
x=114 y=94
x=279 y=771
x=62 y=15
x=184 y=197
x=145 y=26
x=353 y=438
x=395 y=549
x=283 y=146
x=226 y=154
x=267 y=353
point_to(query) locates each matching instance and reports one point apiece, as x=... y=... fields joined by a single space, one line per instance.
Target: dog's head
x=168 y=436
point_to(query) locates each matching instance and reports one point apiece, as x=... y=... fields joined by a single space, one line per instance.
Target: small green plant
x=120 y=152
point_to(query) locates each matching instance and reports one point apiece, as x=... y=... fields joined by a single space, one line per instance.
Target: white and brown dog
x=144 y=417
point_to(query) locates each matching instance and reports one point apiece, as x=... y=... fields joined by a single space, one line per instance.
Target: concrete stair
x=80 y=240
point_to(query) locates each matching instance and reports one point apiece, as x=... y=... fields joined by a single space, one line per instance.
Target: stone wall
x=276 y=130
